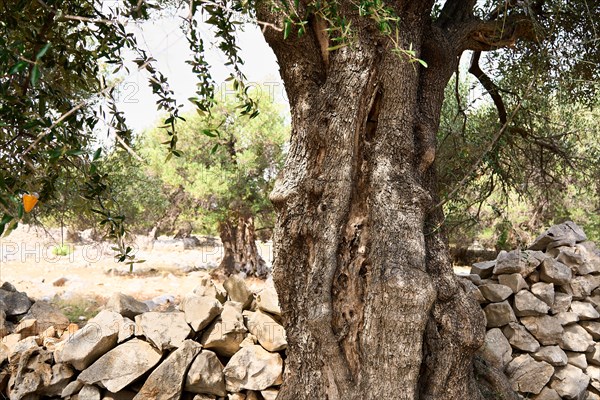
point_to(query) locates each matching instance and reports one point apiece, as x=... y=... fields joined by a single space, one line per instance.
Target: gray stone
x=495 y=292
x=592 y=327
x=269 y=394
x=534 y=277
x=14 y=303
x=585 y=311
x=238 y=291
x=547 y=330
x=509 y=262
x=574 y=260
x=527 y=375
x=547 y=394
x=570 y=382
x=575 y=338
x=165 y=330
x=270 y=333
x=552 y=271
x=87 y=344
x=553 y=355
x=206 y=375
x=576 y=359
x=126 y=305
x=567 y=234
x=267 y=301
x=72 y=388
x=567 y=318
x=544 y=292
x=593 y=371
x=89 y=392
x=200 y=311
x=590 y=254
x=520 y=338
x=46 y=316
x=122 y=395
x=593 y=357
x=126 y=330
x=472 y=291
x=496 y=349
x=499 y=314
x=167 y=380
x=208 y=288
x=253 y=368
x=226 y=333
x=122 y=365
x=589 y=395
x=562 y=302
x=526 y=304
x=476 y=279
x=484 y=269
x=514 y=281
x=581 y=287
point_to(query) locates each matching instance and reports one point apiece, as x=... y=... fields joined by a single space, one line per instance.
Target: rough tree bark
x=371 y=306
x=240 y=253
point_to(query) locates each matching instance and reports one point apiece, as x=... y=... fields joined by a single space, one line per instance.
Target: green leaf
x=35 y=75
x=43 y=51
x=214 y=149
x=287 y=26
x=423 y=63
x=18 y=67
x=97 y=154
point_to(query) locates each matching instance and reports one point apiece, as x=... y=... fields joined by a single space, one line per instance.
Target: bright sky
x=166 y=43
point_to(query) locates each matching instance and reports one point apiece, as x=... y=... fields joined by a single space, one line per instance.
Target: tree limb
x=489 y=86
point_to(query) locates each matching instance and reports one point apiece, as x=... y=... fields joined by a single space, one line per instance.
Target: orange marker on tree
x=29 y=201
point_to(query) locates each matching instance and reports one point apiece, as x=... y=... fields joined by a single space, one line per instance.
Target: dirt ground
x=90 y=270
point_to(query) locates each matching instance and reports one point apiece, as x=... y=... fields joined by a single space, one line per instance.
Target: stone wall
x=225 y=342
x=542 y=310
x=221 y=342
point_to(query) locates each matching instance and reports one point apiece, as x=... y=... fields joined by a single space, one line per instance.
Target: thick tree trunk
x=371 y=306
x=240 y=253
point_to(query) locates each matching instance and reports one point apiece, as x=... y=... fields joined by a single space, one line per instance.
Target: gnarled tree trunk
x=371 y=306
x=240 y=253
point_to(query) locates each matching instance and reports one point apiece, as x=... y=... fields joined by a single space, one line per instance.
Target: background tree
x=223 y=176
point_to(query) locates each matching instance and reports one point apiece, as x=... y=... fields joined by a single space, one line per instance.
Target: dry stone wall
x=222 y=343
x=542 y=309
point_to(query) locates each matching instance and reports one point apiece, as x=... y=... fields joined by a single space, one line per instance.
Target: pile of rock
x=542 y=310
x=224 y=342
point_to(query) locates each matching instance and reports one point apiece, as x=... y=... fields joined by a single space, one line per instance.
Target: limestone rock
x=567 y=234
x=496 y=349
x=495 y=292
x=593 y=357
x=514 y=281
x=527 y=375
x=122 y=395
x=268 y=301
x=472 y=291
x=126 y=305
x=569 y=382
x=208 y=288
x=566 y=318
x=509 y=263
x=167 y=380
x=553 y=355
x=126 y=330
x=592 y=327
x=46 y=316
x=547 y=394
x=581 y=287
x=520 y=338
x=269 y=394
x=238 y=291
x=575 y=338
x=165 y=330
x=72 y=388
x=585 y=311
x=552 y=271
x=574 y=260
x=89 y=392
x=544 y=292
x=526 y=304
x=576 y=359
x=226 y=333
x=253 y=368
x=483 y=269
x=14 y=303
x=562 y=302
x=270 y=333
x=200 y=311
x=206 y=375
x=499 y=314
x=547 y=330
x=86 y=345
x=122 y=365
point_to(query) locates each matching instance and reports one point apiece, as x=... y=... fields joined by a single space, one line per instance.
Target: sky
x=165 y=42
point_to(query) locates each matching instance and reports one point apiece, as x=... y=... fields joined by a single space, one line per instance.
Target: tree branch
x=489 y=86
x=492 y=35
